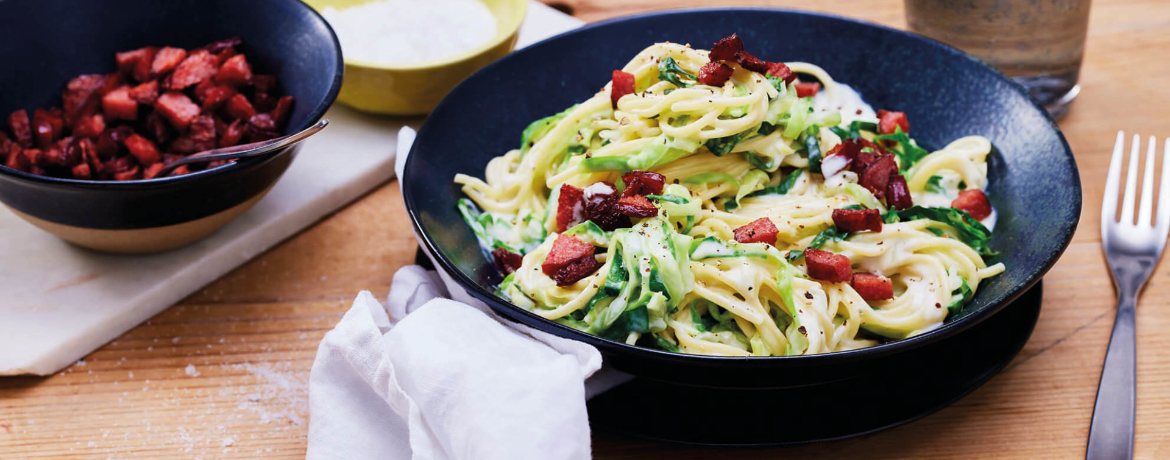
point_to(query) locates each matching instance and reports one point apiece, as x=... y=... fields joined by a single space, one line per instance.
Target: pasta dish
x=711 y=202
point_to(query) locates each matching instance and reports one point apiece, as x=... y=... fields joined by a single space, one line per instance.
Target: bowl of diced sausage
x=112 y=91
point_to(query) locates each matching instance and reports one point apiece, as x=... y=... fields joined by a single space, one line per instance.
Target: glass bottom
x=1055 y=92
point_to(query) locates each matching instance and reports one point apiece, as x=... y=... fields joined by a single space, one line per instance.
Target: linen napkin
x=434 y=374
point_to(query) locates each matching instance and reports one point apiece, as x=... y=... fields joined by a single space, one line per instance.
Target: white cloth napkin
x=434 y=374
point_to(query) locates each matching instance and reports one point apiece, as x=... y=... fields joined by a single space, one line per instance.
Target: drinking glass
x=1039 y=43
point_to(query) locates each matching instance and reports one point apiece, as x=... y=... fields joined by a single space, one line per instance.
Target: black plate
x=1034 y=183
x=919 y=383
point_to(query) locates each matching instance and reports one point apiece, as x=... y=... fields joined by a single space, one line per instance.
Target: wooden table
x=224 y=373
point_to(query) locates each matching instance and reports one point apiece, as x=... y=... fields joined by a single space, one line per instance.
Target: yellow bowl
x=415 y=89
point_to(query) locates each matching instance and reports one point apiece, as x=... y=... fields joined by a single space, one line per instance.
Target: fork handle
x=1111 y=433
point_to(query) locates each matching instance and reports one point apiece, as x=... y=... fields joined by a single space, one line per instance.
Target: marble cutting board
x=60 y=302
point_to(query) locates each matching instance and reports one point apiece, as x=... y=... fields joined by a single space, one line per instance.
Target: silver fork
x=1132 y=251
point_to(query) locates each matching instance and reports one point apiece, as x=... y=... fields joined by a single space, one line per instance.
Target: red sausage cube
x=565 y=250
x=761 y=230
x=635 y=206
x=807 y=89
x=570 y=207
x=889 y=121
x=715 y=73
x=856 y=220
x=749 y=62
x=234 y=72
x=142 y=149
x=238 y=108
x=782 y=71
x=232 y=134
x=826 y=266
x=623 y=84
x=142 y=68
x=974 y=202
x=146 y=93
x=197 y=67
x=21 y=131
x=507 y=261
x=877 y=175
x=575 y=271
x=118 y=104
x=725 y=48
x=166 y=60
x=91 y=126
x=643 y=183
x=898 y=193
x=872 y=287
x=177 y=108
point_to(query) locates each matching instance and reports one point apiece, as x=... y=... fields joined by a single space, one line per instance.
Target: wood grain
x=224 y=373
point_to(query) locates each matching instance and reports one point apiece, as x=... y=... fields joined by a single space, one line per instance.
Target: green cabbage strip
x=908 y=153
x=812 y=144
x=537 y=129
x=703 y=178
x=934 y=185
x=826 y=235
x=649 y=274
x=958 y=224
x=724 y=145
x=661 y=150
x=798 y=118
x=959 y=297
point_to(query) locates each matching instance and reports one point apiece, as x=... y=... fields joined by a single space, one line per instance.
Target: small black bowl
x=45 y=43
x=947 y=94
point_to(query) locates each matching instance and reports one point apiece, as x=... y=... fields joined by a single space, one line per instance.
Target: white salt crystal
x=191 y=370
x=411 y=31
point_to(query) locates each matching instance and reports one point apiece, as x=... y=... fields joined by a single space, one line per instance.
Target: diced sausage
x=715 y=73
x=200 y=136
x=130 y=174
x=281 y=112
x=216 y=98
x=622 y=84
x=872 y=287
x=232 y=134
x=157 y=129
x=180 y=171
x=565 y=250
x=643 y=183
x=263 y=102
x=635 y=206
x=725 y=48
x=807 y=89
x=749 y=62
x=974 y=202
x=146 y=93
x=90 y=126
x=575 y=271
x=570 y=207
x=238 y=108
x=782 y=71
x=898 y=193
x=118 y=104
x=877 y=176
x=152 y=171
x=80 y=97
x=48 y=126
x=166 y=60
x=761 y=230
x=81 y=171
x=862 y=161
x=177 y=108
x=889 y=121
x=16 y=159
x=21 y=131
x=264 y=83
x=826 y=266
x=263 y=121
x=143 y=149
x=34 y=157
x=600 y=199
x=127 y=60
x=119 y=164
x=856 y=220
x=235 y=72
x=507 y=261
x=106 y=147
x=141 y=70
x=197 y=67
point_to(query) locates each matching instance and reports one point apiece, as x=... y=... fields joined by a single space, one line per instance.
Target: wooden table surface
x=224 y=373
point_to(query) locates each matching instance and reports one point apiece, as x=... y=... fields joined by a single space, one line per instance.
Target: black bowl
x=45 y=43
x=947 y=94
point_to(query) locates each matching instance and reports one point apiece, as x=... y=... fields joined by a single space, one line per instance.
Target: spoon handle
x=245 y=150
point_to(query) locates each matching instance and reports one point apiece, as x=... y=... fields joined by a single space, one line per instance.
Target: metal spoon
x=245 y=150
